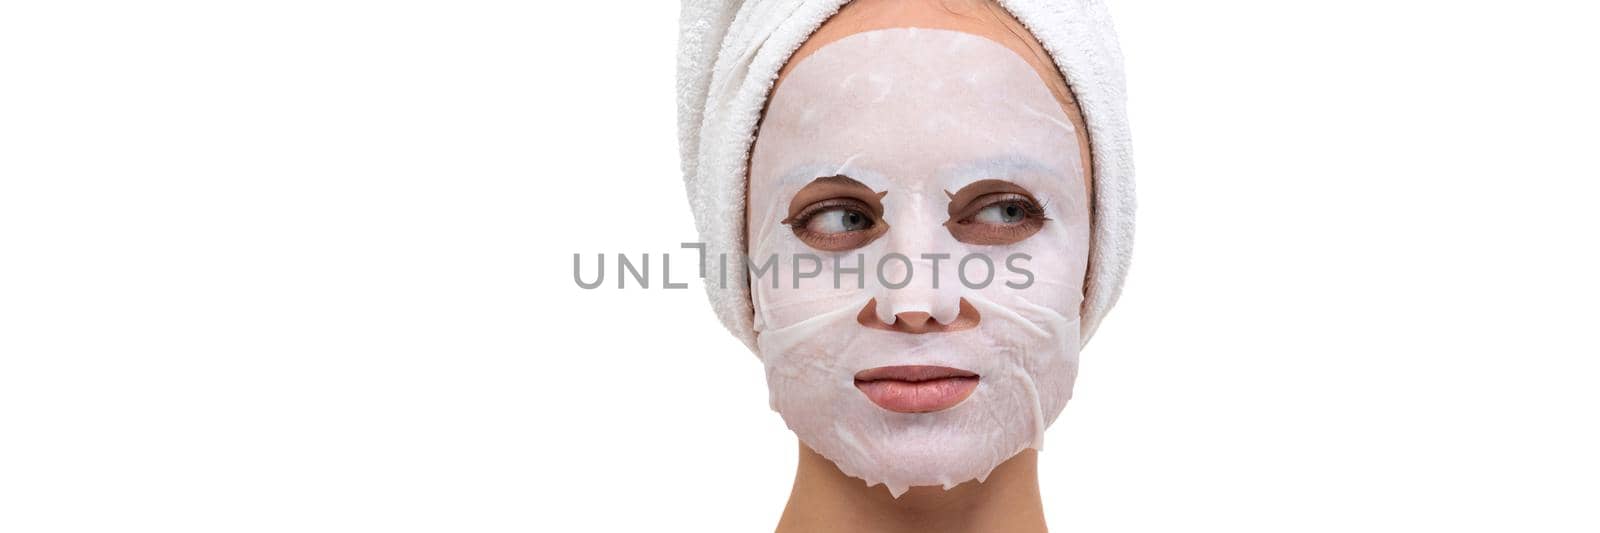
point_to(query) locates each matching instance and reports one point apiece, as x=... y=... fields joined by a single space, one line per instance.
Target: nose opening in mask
x=917 y=322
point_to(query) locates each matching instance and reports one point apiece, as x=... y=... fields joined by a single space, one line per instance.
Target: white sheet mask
x=916 y=114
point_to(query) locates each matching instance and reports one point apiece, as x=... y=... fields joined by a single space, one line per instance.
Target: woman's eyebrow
x=961 y=198
x=835 y=186
x=840 y=180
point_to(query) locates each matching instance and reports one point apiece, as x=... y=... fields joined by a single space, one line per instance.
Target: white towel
x=729 y=55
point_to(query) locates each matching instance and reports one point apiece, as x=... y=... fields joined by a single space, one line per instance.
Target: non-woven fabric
x=916 y=114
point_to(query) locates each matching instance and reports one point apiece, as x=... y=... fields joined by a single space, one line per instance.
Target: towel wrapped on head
x=730 y=53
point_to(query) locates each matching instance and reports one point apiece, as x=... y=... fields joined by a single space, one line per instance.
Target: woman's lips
x=916 y=389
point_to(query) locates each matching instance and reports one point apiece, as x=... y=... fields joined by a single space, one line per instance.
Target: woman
x=928 y=209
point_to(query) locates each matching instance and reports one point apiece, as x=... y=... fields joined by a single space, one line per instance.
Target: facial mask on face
x=949 y=150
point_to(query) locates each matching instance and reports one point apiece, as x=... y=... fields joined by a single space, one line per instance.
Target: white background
x=306 y=266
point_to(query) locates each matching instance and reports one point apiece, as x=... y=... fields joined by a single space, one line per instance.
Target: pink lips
x=916 y=389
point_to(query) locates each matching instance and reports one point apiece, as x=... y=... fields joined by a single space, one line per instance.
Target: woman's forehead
x=912 y=104
x=983 y=18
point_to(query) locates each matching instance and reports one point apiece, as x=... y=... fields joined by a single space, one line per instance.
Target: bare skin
x=825 y=499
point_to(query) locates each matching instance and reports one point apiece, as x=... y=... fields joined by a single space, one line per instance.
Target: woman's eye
x=838 y=225
x=836 y=213
x=835 y=221
x=1004 y=218
x=1007 y=213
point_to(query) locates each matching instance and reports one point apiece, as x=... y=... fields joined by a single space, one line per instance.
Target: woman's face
x=922 y=197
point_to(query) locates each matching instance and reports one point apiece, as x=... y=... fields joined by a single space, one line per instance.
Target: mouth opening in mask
x=916 y=388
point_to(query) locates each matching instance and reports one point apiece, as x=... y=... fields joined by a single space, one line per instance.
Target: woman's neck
x=824 y=499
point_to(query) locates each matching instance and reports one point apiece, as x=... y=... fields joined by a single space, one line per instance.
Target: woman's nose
x=918 y=321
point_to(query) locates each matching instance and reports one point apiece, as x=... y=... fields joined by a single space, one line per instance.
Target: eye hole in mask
x=837 y=213
x=994 y=212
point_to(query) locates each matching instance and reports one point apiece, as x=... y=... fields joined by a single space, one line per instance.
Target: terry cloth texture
x=729 y=55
